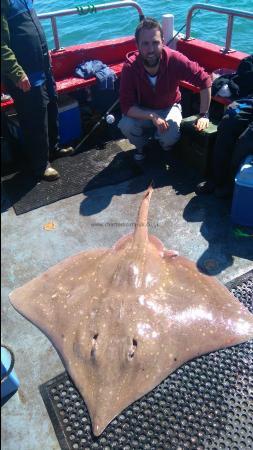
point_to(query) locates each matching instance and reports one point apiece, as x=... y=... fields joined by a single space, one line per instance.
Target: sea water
x=121 y=22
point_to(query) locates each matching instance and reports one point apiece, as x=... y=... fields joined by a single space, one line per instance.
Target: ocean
x=121 y=22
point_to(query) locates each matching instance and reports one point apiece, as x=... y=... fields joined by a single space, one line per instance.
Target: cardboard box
x=242 y=205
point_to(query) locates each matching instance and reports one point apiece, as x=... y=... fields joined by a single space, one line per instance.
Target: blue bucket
x=9 y=380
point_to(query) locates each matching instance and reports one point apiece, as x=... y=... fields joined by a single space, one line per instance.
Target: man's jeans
x=139 y=131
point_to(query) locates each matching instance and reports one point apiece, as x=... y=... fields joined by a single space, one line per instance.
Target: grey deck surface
x=199 y=228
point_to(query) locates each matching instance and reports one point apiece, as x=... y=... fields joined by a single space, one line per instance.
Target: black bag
x=240 y=83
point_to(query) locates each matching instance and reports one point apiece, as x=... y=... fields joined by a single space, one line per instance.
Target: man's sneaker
x=206 y=187
x=50 y=174
x=139 y=155
x=62 y=152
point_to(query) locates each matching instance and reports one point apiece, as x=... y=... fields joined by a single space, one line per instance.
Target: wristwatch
x=204 y=115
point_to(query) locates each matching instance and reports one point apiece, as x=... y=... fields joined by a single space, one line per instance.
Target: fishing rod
x=183 y=26
x=107 y=116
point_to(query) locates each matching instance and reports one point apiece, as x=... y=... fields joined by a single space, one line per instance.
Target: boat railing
x=83 y=10
x=231 y=13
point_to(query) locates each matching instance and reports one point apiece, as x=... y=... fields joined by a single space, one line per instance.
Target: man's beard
x=151 y=63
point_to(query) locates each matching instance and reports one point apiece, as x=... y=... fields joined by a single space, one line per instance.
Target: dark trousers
x=233 y=143
x=37 y=112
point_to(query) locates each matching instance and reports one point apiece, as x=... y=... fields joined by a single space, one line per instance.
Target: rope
x=83 y=10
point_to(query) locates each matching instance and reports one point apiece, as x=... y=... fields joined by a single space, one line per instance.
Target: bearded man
x=149 y=90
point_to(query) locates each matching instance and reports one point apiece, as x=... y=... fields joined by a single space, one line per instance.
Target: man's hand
x=205 y=99
x=24 y=84
x=202 y=123
x=159 y=123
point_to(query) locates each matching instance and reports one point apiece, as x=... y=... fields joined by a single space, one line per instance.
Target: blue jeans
x=139 y=131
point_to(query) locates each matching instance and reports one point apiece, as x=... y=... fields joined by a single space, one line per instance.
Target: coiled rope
x=83 y=10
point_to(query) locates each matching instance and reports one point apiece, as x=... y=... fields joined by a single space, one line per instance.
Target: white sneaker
x=139 y=155
x=50 y=174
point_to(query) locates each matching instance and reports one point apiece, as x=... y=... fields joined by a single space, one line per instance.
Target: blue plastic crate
x=242 y=205
x=69 y=120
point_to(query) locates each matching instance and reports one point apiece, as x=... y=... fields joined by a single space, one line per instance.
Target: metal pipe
x=229 y=34
x=228 y=11
x=85 y=9
x=55 y=33
x=67 y=12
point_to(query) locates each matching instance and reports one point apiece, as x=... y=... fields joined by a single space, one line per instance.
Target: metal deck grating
x=206 y=404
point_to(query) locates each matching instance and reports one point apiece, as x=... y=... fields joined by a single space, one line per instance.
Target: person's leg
x=229 y=129
x=137 y=132
x=55 y=151
x=219 y=179
x=31 y=108
x=53 y=125
x=243 y=148
x=173 y=116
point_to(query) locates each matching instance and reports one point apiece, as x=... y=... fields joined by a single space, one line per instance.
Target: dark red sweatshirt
x=137 y=90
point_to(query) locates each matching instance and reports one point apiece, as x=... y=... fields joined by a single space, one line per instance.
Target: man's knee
x=127 y=125
x=171 y=136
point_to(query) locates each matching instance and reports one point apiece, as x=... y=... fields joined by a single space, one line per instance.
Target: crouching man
x=149 y=90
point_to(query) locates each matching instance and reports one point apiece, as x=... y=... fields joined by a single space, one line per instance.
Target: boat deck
x=197 y=227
